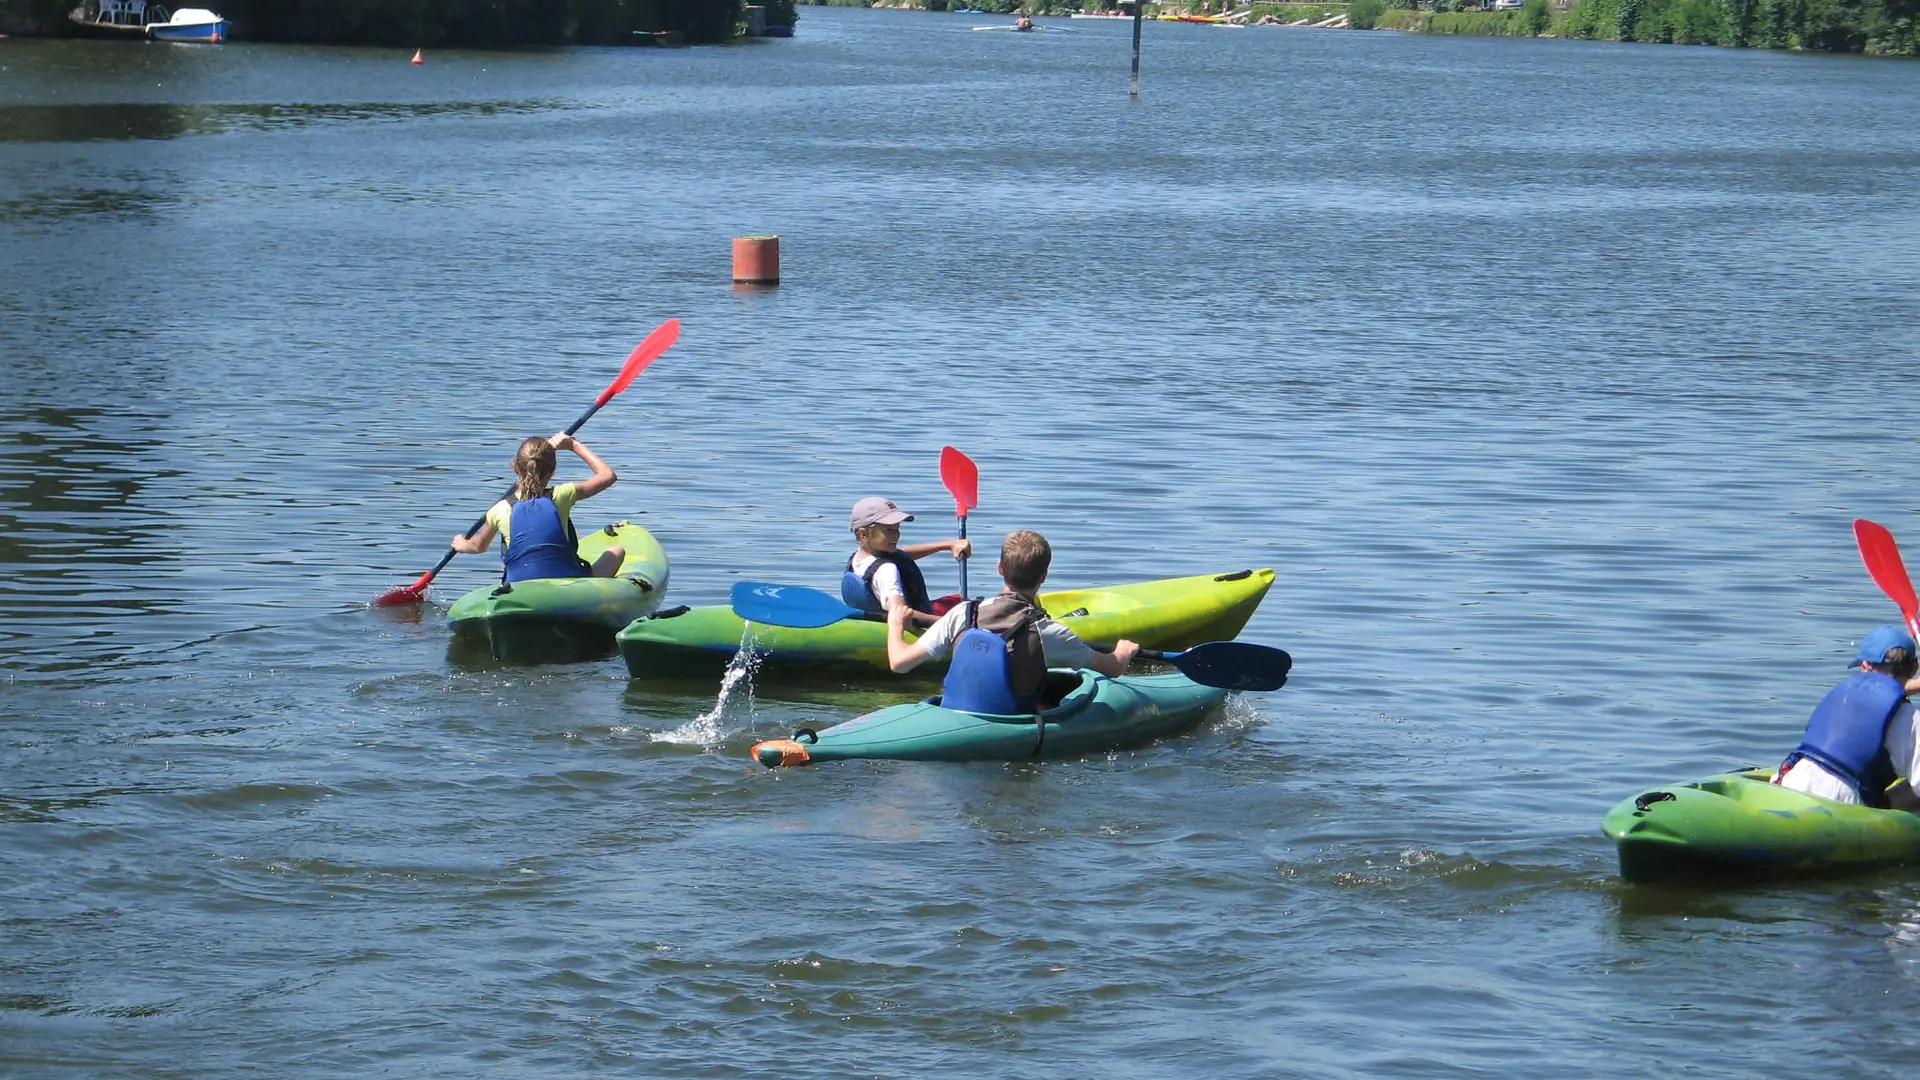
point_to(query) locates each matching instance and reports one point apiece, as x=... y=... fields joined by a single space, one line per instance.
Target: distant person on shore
x=536 y=522
x=1861 y=738
x=1002 y=646
x=882 y=576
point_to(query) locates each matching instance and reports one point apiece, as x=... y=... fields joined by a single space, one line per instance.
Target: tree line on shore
x=1876 y=27
x=482 y=23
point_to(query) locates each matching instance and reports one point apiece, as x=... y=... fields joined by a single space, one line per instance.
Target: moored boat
x=1738 y=826
x=564 y=618
x=194 y=25
x=1090 y=713
x=1172 y=613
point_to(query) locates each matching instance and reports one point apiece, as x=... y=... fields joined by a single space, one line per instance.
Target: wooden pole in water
x=1139 y=11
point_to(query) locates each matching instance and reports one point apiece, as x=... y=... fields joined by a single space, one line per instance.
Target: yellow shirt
x=564 y=497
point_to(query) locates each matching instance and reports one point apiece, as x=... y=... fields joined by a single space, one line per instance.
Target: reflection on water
x=26 y=123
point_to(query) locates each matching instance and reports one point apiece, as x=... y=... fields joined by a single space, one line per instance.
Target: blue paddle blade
x=787 y=605
x=1234 y=665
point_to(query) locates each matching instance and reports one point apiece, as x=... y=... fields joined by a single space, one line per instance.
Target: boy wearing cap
x=1861 y=738
x=882 y=575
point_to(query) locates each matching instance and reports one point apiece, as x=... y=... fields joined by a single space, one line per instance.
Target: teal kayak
x=1092 y=713
x=1171 y=613
x=1738 y=826
x=559 y=619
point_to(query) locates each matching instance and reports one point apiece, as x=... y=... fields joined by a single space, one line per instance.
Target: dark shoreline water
x=1551 y=413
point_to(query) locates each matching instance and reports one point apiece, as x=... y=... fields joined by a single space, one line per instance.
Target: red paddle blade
x=405 y=594
x=1882 y=557
x=962 y=478
x=643 y=354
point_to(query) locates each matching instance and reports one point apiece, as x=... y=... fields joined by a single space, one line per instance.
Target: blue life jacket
x=540 y=544
x=1848 y=733
x=857 y=589
x=999 y=664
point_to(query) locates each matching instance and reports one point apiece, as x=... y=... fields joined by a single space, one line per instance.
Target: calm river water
x=1548 y=375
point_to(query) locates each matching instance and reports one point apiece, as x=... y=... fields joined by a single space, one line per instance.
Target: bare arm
x=916 y=618
x=477 y=543
x=1114 y=664
x=902 y=655
x=603 y=475
x=960 y=548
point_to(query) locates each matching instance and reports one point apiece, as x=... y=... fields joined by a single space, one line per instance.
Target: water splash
x=707 y=729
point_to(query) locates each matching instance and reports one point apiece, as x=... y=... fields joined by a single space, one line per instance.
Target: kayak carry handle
x=1642 y=802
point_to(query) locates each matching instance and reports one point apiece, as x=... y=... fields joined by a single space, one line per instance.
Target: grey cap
x=874 y=510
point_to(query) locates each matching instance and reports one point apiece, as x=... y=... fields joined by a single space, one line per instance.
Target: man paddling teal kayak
x=1002 y=646
x=1862 y=738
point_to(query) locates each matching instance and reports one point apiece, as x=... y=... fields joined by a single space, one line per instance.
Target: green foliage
x=1881 y=27
x=1364 y=14
x=1474 y=24
x=781 y=12
x=485 y=23
x=1535 y=16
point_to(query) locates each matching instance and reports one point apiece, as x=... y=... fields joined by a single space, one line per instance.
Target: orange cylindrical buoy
x=417 y=58
x=756 y=260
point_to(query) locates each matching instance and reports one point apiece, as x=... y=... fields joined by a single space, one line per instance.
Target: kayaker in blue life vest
x=882 y=575
x=535 y=521
x=1002 y=646
x=1862 y=736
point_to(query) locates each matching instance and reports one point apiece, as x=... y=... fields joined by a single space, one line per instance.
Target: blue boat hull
x=200 y=33
x=1095 y=714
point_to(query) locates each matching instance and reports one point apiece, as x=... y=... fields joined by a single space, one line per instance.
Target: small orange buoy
x=756 y=260
x=417 y=58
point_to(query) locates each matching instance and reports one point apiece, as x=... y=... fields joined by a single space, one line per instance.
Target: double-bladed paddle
x=962 y=478
x=1882 y=557
x=645 y=353
x=788 y=605
x=1231 y=665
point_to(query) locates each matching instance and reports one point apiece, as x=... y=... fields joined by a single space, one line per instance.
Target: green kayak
x=1173 y=613
x=551 y=619
x=1739 y=826
x=1092 y=714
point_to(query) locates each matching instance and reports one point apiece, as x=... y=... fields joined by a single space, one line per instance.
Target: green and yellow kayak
x=1173 y=613
x=558 y=619
x=1737 y=826
x=1091 y=714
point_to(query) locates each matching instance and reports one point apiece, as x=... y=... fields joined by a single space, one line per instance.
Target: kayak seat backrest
x=980 y=679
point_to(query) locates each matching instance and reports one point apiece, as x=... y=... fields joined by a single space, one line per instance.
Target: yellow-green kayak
x=1172 y=613
x=557 y=619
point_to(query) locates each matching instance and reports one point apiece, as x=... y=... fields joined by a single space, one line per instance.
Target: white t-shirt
x=1816 y=779
x=1063 y=647
x=886 y=580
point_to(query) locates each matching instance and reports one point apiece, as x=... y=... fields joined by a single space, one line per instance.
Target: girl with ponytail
x=535 y=521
